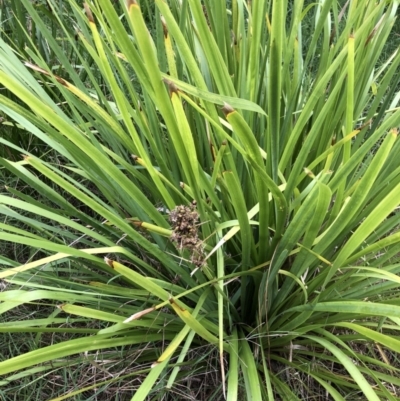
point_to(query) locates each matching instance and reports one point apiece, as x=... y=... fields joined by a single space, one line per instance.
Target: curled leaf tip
x=88 y=12
x=109 y=262
x=134 y=157
x=227 y=109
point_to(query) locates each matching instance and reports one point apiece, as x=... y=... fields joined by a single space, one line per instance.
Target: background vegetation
x=206 y=206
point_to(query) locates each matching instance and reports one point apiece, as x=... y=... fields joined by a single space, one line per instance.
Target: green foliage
x=222 y=183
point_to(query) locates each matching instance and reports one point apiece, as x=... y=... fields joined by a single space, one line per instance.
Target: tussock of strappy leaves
x=184 y=221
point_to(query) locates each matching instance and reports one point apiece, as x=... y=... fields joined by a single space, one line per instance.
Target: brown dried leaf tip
x=130 y=3
x=41 y=70
x=88 y=12
x=206 y=16
x=109 y=262
x=227 y=109
x=171 y=86
x=164 y=25
x=138 y=315
x=184 y=221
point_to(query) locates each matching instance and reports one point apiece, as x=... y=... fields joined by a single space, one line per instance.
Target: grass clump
x=219 y=202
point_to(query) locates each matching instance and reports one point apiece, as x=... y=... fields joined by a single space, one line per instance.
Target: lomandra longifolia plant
x=218 y=200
